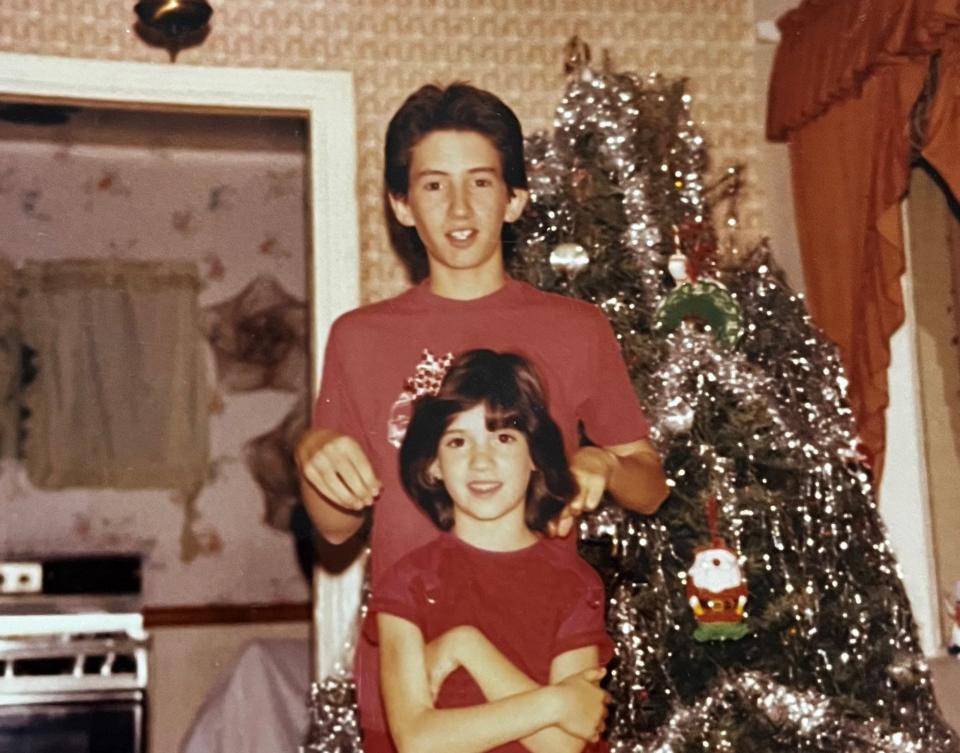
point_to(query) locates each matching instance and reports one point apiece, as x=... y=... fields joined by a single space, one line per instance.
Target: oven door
x=110 y=722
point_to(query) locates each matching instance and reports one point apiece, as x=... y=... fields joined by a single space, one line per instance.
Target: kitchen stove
x=73 y=658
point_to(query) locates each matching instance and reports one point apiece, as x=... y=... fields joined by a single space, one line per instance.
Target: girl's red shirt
x=532 y=604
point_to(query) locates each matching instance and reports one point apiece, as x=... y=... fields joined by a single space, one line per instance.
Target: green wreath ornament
x=708 y=301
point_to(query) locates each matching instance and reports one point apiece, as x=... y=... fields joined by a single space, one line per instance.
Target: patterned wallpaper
x=512 y=47
x=238 y=212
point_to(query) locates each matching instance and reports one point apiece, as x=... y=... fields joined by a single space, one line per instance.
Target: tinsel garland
x=334 y=725
x=803 y=720
x=334 y=719
x=832 y=661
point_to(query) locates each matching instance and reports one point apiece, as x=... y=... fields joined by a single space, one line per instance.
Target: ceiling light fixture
x=173 y=24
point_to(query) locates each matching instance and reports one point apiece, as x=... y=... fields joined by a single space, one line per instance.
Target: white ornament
x=678 y=268
x=569 y=258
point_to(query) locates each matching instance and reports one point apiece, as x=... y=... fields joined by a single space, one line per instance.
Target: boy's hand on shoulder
x=583 y=702
x=591 y=467
x=337 y=467
x=631 y=473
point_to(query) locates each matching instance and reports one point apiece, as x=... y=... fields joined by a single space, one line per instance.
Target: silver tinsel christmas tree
x=761 y=609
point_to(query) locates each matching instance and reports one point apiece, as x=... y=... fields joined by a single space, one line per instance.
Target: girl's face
x=485 y=472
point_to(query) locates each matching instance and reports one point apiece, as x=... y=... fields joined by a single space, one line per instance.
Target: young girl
x=491 y=636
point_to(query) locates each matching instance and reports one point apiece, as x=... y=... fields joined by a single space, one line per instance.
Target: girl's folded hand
x=584 y=704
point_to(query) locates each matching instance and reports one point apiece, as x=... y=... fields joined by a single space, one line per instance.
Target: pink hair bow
x=429 y=374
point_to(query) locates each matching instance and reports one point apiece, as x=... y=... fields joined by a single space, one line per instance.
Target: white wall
x=903 y=497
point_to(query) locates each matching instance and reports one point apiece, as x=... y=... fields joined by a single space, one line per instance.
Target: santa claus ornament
x=717 y=588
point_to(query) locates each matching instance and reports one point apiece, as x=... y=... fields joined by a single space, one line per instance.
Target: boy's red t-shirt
x=373 y=351
x=532 y=604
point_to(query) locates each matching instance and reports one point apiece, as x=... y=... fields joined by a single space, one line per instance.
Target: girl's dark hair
x=457 y=107
x=507 y=386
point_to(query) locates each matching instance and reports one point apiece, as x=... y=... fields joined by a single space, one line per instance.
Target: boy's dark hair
x=507 y=386
x=458 y=107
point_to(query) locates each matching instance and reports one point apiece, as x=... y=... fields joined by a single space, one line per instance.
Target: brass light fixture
x=173 y=24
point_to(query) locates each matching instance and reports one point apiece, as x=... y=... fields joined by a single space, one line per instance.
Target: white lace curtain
x=120 y=397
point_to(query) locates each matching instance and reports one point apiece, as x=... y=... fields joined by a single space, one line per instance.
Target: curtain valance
x=860 y=89
x=828 y=48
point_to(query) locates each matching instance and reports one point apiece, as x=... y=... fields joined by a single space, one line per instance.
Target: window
x=120 y=394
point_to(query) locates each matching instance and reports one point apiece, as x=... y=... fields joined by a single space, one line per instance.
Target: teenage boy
x=454 y=181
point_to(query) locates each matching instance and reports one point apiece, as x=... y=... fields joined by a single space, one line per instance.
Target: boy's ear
x=515 y=204
x=401 y=210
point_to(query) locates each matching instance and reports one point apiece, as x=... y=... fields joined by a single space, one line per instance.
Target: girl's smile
x=484 y=488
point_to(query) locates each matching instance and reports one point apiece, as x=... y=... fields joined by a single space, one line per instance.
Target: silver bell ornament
x=569 y=258
x=678 y=418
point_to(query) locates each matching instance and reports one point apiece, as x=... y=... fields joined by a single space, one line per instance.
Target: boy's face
x=458 y=202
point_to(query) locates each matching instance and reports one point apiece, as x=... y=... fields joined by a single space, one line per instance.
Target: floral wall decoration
x=259 y=339
x=270 y=459
x=228 y=196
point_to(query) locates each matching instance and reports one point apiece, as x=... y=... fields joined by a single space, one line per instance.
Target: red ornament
x=699 y=242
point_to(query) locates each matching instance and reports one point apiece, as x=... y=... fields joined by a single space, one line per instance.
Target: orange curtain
x=850 y=81
x=942 y=146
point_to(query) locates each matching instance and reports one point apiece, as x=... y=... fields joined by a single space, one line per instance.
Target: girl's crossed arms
x=560 y=717
x=491 y=636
